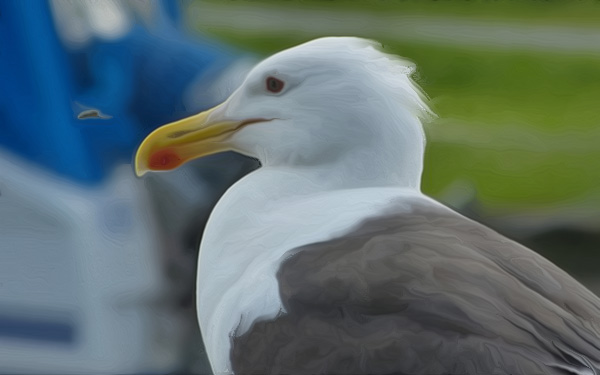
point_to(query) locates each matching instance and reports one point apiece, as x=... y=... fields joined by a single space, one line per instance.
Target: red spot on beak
x=164 y=160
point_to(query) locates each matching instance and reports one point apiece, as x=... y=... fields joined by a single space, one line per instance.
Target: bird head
x=310 y=104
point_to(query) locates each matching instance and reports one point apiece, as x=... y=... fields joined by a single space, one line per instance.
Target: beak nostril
x=179 y=133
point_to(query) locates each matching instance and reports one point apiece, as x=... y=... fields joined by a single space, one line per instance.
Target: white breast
x=251 y=231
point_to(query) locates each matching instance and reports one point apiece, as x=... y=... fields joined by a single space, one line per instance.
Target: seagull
x=328 y=259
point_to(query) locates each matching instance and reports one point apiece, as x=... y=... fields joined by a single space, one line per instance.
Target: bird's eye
x=274 y=85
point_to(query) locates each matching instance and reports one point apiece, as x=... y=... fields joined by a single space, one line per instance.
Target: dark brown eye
x=274 y=84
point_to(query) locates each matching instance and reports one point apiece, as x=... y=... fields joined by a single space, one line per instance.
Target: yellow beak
x=176 y=143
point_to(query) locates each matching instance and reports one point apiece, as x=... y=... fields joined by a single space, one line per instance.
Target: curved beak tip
x=139 y=173
x=139 y=169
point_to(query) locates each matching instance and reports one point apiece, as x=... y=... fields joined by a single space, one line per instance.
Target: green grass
x=540 y=112
x=521 y=127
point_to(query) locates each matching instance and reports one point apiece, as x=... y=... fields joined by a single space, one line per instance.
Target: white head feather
x=346 y=109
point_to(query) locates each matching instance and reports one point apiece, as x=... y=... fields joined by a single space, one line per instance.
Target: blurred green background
x=515 y=85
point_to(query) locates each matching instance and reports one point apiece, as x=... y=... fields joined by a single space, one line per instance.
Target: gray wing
x=431 y=292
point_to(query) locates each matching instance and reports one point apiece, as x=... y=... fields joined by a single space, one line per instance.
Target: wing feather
x=427 y=293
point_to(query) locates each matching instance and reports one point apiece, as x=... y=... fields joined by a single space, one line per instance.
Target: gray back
x=427 y=293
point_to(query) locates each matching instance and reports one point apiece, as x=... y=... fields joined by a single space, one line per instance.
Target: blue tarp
x=135 y=81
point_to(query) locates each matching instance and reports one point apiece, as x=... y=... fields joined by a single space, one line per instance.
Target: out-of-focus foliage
x=566 y=12
x=518 y=125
